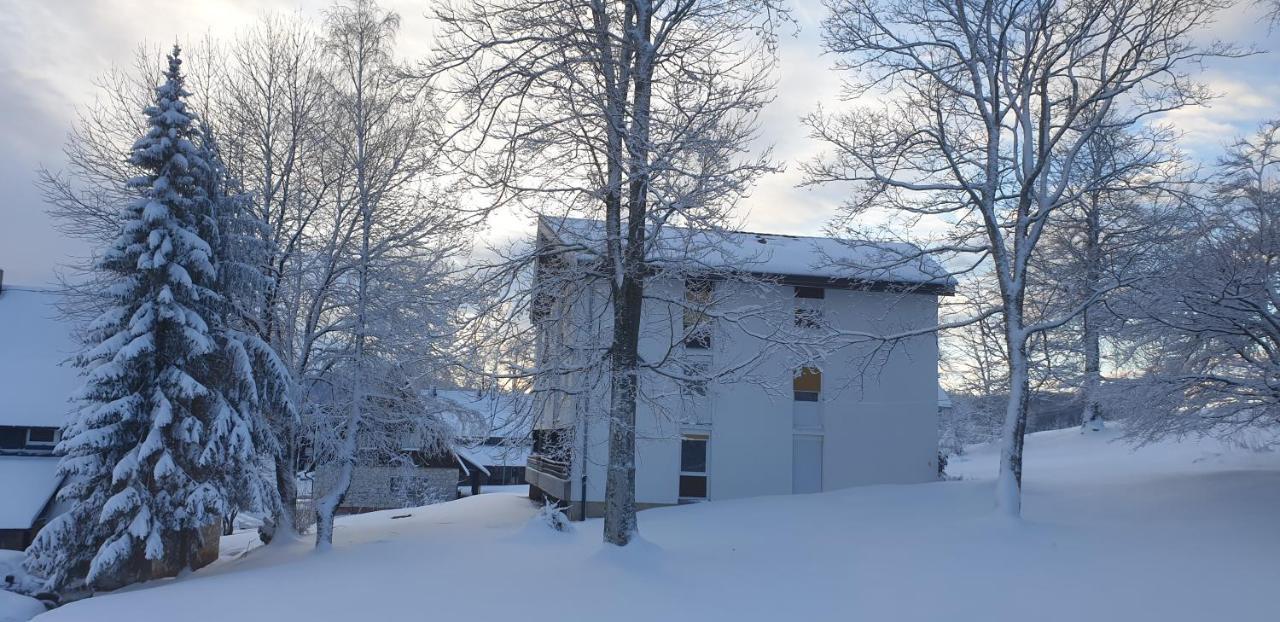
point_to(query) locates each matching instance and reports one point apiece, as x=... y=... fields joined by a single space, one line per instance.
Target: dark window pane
x=810 y=292
x=697 y=384
x=806 y=396
x=697 y=388
x=700 y=340
x=693 y=486
x=698 y=291
x=808 y=318
x=698 y=296
x=41 y=435
x=693 y=455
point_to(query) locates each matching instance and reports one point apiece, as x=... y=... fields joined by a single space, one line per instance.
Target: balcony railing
x=555 y=468
x=549 y=475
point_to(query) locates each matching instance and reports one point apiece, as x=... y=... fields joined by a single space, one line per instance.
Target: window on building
x=811 y=292
x=693 y=467
x=808 y=318
x=807 y=384
x=696 y=383
x=42 y=438
x=697 y=327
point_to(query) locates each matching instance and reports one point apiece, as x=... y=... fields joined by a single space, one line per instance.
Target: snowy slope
x=15 y=607
x=18 y=608
x=1172 y=532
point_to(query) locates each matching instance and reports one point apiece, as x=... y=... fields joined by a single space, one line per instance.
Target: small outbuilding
x=36 y=384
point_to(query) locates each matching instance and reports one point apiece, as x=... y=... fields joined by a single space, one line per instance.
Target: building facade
x=751 y=402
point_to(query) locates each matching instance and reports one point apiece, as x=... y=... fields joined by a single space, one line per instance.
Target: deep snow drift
x=1176 y=531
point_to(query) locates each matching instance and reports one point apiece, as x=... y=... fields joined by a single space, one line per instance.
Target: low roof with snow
x=478 y=416
x=484 y=414
x=36 y=380
x=792 y=257
x=944 y=400
x=27 y=483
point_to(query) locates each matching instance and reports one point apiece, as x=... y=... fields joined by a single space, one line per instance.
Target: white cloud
x=50 y=52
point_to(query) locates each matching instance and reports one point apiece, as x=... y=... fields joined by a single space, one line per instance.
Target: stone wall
x=390 y=487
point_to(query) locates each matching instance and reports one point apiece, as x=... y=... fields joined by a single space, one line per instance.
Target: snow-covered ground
x=1176 y=531
x=15 y=607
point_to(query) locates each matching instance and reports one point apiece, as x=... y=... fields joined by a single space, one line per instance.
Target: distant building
x=35 y=386
x=495 y=434
x=491 y=448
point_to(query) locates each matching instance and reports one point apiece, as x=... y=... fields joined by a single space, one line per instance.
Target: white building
x=36 y=385
x=780 y=424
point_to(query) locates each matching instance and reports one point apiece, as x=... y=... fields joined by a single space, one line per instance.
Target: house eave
x=866 y=285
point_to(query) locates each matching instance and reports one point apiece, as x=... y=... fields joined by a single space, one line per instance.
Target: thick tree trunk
x=327 y=506
x=285 y=517
x=1009 y=480
x=620 y=482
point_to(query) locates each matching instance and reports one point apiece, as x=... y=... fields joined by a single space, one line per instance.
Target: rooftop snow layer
x=26 y=485
x=495 y=414
x=774 y=254
x=35 y=381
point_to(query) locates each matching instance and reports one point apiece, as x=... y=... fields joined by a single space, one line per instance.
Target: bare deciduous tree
x=384 y=132
x=1208 y=332
x=988 y=108
x=633 y=113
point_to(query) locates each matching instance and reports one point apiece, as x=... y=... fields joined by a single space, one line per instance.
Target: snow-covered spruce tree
x=140 y=453
x=249 y=381
x=266 y=106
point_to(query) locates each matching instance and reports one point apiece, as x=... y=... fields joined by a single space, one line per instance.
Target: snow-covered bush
x=554 y=517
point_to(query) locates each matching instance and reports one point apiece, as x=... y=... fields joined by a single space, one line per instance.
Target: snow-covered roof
x=27 y=483
x=944 y=400
x=484 y=414
x=467 y=457
x=514 y=454
x=477 y=416
x=774 y=254
x=35 y=379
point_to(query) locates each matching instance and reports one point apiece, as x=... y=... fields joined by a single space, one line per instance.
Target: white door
x=806 y=464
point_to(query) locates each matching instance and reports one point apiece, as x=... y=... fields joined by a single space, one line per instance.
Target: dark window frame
x=801 y=390
x=699 y=387
x=697 y=292
x=32 y=443
x=808 y=317
x=693 y=483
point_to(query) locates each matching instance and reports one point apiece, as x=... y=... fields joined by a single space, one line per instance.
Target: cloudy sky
x=51 y=52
